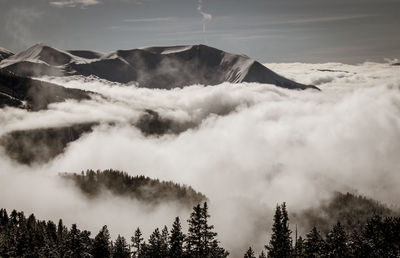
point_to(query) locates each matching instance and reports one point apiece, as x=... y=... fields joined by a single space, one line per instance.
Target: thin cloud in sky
x=74 y=3
x=324 y=19
x=253 y=37
x=156 y=19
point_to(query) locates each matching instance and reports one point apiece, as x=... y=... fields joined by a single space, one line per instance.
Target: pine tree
x=286 y=232
x=336 y=242
x=137 y=241
x=206 y=230
x=176 y=240
x=75 y=246
x=193 y=240
x=101 y=244
x=262 y=255
x=249 y=253
x=217 y=251
x=280 y=244
x=164 y=243
x=299 y=248
x=120 y=248
x=62 y=233
x=314 y=244
x=200 y=241
x=153 y=248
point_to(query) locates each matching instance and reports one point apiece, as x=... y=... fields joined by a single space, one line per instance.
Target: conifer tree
x=153 y=248
x=164 y=243
x=299 y=248
x=262 y=255
x=194 y=238
x=249 y=253
x=286 y=232
x=217 y=251
x=200 y=241
x=120 y=248
x=176 y=240
x=206 y=231
x=336 y=242
x=137 y=242
x=101 y=244
x=75 y=246
x=280 y=244
x=314 y=244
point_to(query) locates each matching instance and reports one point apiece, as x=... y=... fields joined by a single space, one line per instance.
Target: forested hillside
x=351 y=210
x=93 y=183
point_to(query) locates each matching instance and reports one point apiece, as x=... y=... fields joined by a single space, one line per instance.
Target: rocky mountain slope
x=153 y=67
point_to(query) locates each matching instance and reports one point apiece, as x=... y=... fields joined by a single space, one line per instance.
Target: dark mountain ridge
x=18 y=91
x=153 y=67
x=5 y=53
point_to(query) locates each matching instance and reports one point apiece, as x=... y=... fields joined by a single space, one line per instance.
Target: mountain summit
x=152 y=67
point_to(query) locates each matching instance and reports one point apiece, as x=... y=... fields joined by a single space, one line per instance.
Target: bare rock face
x=153 y=67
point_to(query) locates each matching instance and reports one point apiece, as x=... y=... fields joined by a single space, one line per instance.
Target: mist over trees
x=152 y=191
x=351 y=210
x=363 y=227
x=22 y=236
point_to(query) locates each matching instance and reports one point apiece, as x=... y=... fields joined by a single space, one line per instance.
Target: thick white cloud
x=250 y=147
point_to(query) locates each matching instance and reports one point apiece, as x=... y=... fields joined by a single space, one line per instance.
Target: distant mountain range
x=152 y=67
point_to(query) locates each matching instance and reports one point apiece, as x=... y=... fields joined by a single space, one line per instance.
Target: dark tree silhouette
x=101 y=244
x=299 y=248
x=137 y=242
x=314 y=244
x=336 y=242
x=153 y=248
x=249 y=253
x=29 y=237
x=176 y=240
x=164 y=242
x=280 y=244
x=200 y=241
x=120 y=248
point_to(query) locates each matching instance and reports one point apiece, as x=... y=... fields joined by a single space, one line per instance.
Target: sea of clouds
x=245 y=146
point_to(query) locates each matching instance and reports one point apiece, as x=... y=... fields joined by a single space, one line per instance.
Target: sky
x=347 y=31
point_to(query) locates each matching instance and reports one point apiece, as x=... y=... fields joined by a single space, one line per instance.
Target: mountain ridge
x=150 y=67
x=5 y=53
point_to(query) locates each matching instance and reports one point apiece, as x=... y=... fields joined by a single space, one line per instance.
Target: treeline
x=29 y=237
x=142 y=188
x=22 y=236
x=379 y=237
